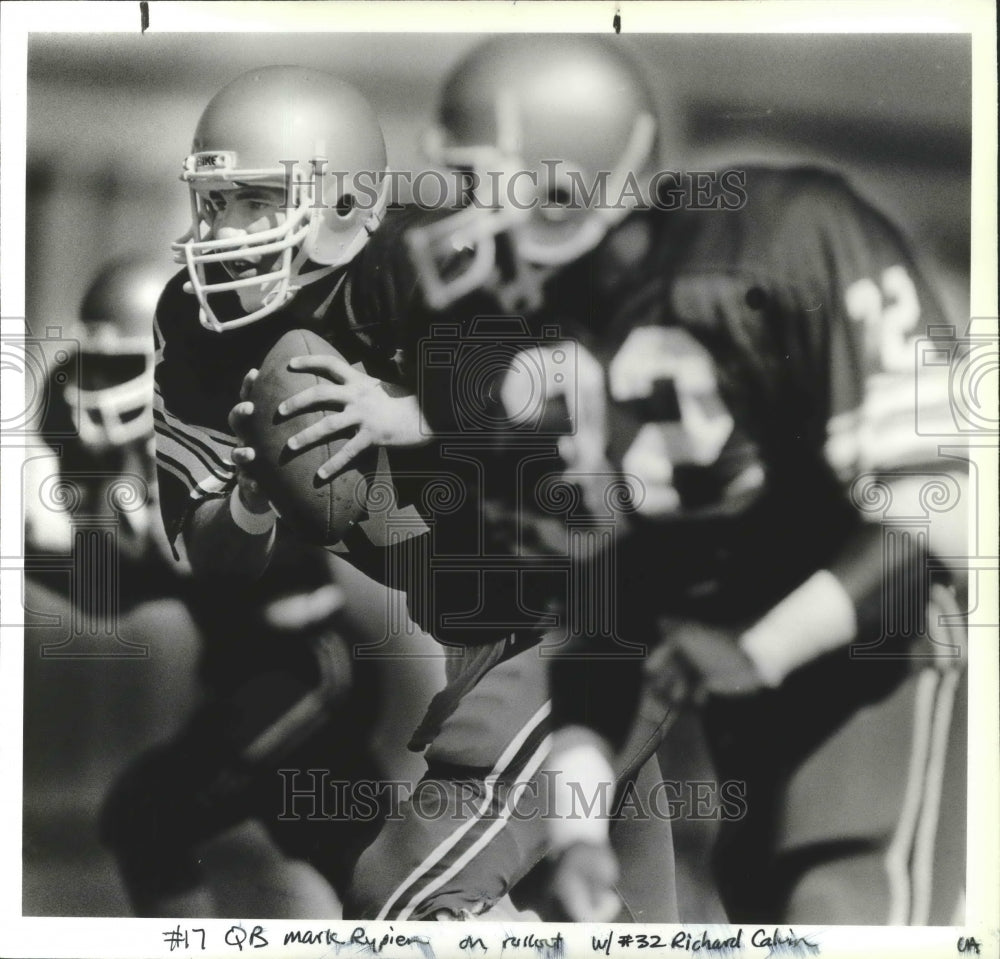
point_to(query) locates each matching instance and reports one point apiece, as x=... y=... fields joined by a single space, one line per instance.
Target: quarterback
x=281 y=679
x=258 y=266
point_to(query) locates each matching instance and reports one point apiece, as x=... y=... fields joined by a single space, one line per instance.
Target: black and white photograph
x=530 y=467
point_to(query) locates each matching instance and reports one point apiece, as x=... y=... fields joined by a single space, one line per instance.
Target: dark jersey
x=758 y=363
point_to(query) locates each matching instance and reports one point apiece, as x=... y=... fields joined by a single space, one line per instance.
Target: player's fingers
x=330 y=425
x=238 y=417
x=360 y=441
x=243 y=455
x=330 y=366
x=247 y=383
x=356 y=444
x=313 y=397
x=604 y=903
x=584 y=883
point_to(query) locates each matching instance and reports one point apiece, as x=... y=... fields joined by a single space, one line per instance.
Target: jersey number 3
x=651 y=358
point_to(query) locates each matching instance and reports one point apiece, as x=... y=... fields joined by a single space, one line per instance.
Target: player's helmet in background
x=111 y=396
x=550 y=128
x=301 y=131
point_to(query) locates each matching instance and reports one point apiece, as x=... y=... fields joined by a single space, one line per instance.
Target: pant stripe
x=511 y=762
x=923 y=853
x=536 y=760
x=897 y=860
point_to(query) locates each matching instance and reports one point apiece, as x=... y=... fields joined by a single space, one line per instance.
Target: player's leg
x=472 y=826
x=642 y=839
x=324 y=799
x=152 y=822
x=205 y=780
x=902 y=861
x=854 y=774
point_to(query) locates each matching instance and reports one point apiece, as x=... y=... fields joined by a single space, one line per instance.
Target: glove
x=697 y=661
x=582 y=883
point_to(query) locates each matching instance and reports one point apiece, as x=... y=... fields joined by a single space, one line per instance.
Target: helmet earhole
x=557 y=204
x=345 y=205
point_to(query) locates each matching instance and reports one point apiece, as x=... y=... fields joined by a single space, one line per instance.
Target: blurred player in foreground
x=756 y=374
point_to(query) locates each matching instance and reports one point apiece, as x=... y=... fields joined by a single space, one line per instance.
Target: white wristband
x=256 y=524
x=816 y=618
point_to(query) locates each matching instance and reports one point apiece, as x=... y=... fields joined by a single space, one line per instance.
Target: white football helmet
x=307 y=134
x=555 y=133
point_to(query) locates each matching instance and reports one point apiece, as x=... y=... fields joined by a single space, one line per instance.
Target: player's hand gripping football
x=696 y=661
x=251 y=494
x=354 y=399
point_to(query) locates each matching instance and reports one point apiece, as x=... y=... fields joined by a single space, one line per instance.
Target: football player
x=98 y=413
x=97 y=564
x=265 y=253
x=273 y=664
x=756 y=381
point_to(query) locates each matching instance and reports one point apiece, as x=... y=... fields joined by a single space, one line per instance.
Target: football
x=318 y=512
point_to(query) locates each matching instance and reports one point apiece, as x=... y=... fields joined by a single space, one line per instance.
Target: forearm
x=219 y=546
x=836 y=606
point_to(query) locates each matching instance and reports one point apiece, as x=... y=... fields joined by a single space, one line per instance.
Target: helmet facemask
x=308 y=139
x=265 y=292
x=314 y=231
x=459 y=254
x=112 y=401
x=536 y=207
